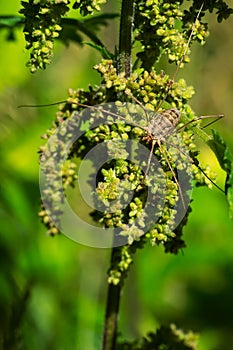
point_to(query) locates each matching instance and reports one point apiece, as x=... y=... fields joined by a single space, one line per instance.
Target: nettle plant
x=142 y=194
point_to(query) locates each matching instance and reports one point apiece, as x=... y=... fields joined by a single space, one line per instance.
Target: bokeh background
x=53 y=290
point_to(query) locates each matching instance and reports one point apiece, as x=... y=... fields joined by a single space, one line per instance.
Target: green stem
x=125 y=40
x=114 y=292
x=112 y=309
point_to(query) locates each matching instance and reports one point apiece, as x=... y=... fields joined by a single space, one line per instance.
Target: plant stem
x=112 y=309
x=114 y=291
x=125 y=40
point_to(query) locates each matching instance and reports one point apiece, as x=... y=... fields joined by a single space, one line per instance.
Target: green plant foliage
x=12 y=337
x=103 y=51
x=74 y=29
x=149 y=88
x=10 y=23
x=160 y=29
x=225 y=159
x=43 y=23
x=70 y=30
x=157 y=27
x=165 y=338
x=146 y=87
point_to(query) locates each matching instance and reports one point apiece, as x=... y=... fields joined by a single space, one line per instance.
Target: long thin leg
x=169 y=165
x=138 y=102
x=108 y=112
x=198 y=166
x=170 y=82
x=174 y=175
x=218 y=117
x=99 y=109
x=149 y=159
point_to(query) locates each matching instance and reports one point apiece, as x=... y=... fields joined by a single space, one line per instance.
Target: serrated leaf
x=225 y=159
x=104 y=52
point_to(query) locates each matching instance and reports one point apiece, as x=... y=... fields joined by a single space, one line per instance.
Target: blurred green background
x=53 y=290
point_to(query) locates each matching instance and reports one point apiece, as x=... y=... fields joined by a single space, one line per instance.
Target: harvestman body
x=163 y=125
x=159 y=128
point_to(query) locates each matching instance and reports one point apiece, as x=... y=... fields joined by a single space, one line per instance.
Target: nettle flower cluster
x=42 y=26
x=88 y=7
x=119 y=175
x=158 y=30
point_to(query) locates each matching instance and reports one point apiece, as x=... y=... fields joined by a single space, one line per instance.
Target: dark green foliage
x=74 y=29
x=150 y=88
x=14 y=295
x=161 y=28
x=70 y=30
x=223 y=11
x=225 y=159
x=12 y=327
x=154 y=27
x=103 y=51
x=11 y=23
x=165 y=338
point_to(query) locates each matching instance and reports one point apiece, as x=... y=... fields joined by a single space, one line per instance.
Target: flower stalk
x=124 y=65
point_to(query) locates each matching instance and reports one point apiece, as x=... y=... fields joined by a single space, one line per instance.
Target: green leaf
x=225 y=159
x=95 y=22
x=11 y=21
x=104 y=52
x=72 y=25
x=73 y=29
x=165 y=338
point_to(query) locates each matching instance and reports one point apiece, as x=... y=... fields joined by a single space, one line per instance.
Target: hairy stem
x=114 y=291
x=112 y=309
x=125 y=40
